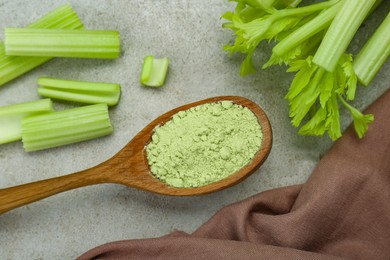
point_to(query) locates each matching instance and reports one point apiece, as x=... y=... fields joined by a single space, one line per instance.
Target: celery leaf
x=360 y=121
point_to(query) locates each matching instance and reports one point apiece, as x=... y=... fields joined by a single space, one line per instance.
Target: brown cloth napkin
x=342 y=211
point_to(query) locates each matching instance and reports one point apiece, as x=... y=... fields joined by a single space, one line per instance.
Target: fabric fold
x=342 y=211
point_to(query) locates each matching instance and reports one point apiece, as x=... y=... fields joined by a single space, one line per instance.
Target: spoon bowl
x=130 y=166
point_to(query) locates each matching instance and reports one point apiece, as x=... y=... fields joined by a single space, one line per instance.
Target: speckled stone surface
x=189 y=33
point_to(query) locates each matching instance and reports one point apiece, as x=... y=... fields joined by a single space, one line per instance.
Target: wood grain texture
x=130 y=167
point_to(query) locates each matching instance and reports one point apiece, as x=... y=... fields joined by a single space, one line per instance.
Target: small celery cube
x=154 y=71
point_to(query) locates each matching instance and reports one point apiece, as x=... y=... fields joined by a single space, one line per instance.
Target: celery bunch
x=312 y=41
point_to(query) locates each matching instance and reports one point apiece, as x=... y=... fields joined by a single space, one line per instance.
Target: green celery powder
x=204 y=144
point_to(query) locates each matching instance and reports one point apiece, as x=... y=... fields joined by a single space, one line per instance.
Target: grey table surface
x=189 y=33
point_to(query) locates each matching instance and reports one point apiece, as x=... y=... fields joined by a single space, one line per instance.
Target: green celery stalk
x=306 y=31
x=62 y=43
x=11 y=118
x=279 y=4
x=12 y=67
x=341 y=31
x=65 y=127
x=80 y=91
x=154 y=71
x=373 y=54
x=261 y=4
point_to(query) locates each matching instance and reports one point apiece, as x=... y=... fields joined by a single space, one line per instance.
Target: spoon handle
x=18 y=196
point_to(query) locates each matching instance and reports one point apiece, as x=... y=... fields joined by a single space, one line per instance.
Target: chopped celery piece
x=81 y=43
x=373 y=54
x=65 y=127
x=12 y=67
x=341 y=31
x=11 y=118
x=80 y=91
x=154 y=71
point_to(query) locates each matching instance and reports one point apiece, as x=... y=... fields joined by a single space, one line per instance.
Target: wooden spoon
x=130 y=167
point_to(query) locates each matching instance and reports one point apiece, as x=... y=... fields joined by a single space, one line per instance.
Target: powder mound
x=204 y=144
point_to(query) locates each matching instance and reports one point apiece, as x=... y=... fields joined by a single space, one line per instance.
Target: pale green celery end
x=65 y=127
x=341 y=32
x=12 y=67
x=99 y=44
x=10 y=128
x=157 y=73
x=11 y=118
x=307 y=30
x=373 y=54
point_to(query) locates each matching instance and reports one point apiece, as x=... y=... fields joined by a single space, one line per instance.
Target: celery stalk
x=154 y=71
x=267 y=4
x=80 y=91
x=341 y=31
x=11 y=118
x=62 y=43
x=373 y=54
x=12 y=67
x=303 y=33
x=65 y=127
x=261 y=4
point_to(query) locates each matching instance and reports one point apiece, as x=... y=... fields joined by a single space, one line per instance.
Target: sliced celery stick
x=154 y=71
x=65 y=127
x=80 y=91
x=62 y=43
x=373 y=54
x=12 y=67
x=11 y=118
